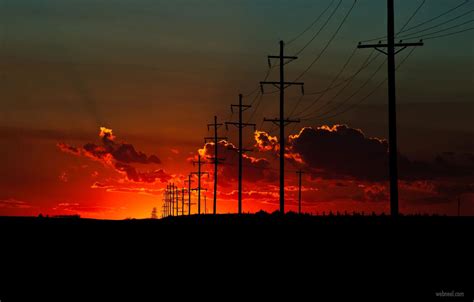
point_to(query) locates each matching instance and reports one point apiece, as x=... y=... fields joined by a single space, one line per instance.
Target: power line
x=199 y=174
x=320 y=29
x=438 y=25
x=422 y=23
x=337 y=76
x=368 y=61
x=345 y=65
x=351 y=96
x=216 y=160
x=328 y=43
x=352 y=106
x=281 y=121
x=440 y=31
x=240 y=125
x=267 y=74
x=296 y=104
x=390 y=52
x=311 y=25
x=331 y=85
x=450 y=34
x=412 y=16
x=437 y=17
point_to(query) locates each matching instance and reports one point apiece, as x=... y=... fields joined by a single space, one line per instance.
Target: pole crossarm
x=278 y=85
x=391 y=51
x=277 y=121
x=243 y=125
x=281 y=122
x=379 y=46
x=240 y=125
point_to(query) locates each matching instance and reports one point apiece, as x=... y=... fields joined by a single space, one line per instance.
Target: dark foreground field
x=230 y=257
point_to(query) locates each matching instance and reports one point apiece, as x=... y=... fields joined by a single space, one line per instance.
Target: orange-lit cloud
x=266 y=142
x=119 y=156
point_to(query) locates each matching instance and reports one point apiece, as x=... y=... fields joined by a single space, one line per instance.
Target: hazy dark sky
x=156 y=72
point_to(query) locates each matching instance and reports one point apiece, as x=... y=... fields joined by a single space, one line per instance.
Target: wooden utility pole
x=300 y=172
x=172 y=199
x=189 y=181
x=282 y=121
x=199 y=174
x=216 y=160
x=240 y=125
x=391 y=51
x=182 y=201
x=176 y=194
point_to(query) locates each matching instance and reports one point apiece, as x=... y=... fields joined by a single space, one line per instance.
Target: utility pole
x=165 y=198
x=300 y=172
x=172 y=199
x=182 y=201
x=168 y=199
x=282 y=122
x=163 y=207
x=392 y=108
x=215 y=159
x=240 y=125
x=189 y=181
x=176 y=193
x=199 y=174
x=170 y=204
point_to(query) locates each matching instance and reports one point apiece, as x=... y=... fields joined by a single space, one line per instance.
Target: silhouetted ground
x=257 y=257
x=258 y=219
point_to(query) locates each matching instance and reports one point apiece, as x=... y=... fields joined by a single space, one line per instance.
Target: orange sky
x=110 y=178
x=157 y=76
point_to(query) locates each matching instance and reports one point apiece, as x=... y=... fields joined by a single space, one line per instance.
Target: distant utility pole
x=282 y=122
x=300 y=172
x=165 y=201
x=189 y=181
x=170 y=204
x=199 y=174
x=182 y=201
x=240 y=125
x=392 y=109
x=173 y=197
x=170 y=200
x=176 y=194
x=215 y=159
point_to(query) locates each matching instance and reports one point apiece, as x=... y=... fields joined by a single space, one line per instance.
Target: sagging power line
x=240 y=125
x=282 y=122
x=215 y=160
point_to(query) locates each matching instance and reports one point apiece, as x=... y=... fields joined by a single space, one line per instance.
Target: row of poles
x=390 y=49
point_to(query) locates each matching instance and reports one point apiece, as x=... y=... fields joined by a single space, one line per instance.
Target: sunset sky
x=102 y=103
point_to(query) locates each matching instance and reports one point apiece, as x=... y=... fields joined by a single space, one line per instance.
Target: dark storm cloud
x=255 y=169
x=343 y=151
x=340 y=151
